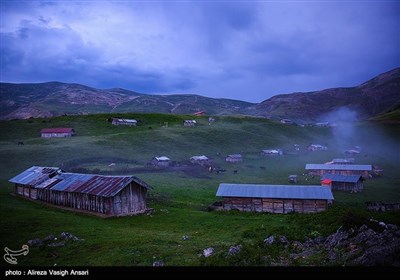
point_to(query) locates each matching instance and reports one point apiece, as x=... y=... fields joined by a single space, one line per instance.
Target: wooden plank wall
x=130 y=200
x=273 y=205
x=347 y=186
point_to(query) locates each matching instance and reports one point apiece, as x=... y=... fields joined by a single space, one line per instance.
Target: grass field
x=181 y=199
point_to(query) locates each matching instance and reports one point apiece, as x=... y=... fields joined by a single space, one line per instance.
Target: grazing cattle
x=220 y=171
x=235 y=171
x=21 y=143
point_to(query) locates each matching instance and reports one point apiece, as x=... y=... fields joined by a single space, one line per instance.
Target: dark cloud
x=246 y=50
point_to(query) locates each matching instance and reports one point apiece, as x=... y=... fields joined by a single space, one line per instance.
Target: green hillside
x=181 y=197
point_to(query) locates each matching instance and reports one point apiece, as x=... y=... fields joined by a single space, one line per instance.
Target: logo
x=9 y=256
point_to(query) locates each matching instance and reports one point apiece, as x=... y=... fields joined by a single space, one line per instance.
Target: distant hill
x=21 y=101
x=371 y=98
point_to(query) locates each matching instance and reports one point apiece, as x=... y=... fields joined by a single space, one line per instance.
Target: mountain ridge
x=21 y=101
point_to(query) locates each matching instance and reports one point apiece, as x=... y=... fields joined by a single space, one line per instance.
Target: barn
x=26 y=181
x=162 y=161
x=343 y=169
x=201 y=160
x=348 y=183
x=57 y=132
x=234 y=158
x=274 y=198
x=316 y=147
x=271 y=152
x=189 y=123
x=108 y=195
x=128 y=122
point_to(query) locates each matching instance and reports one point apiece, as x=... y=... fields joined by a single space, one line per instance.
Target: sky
x=245 y=50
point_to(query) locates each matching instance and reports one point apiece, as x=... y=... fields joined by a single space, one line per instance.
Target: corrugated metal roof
x=342 y=178
x=199 y=158
x=358 y=167
x=126 y=120
x=57 y=130
x=235 y=156
x=95 y=184
x=74 y=182
x=162 y=158
x=34 y=175
x=274 y=191
x=48 y=183
x=70 y=181
x=273 y=151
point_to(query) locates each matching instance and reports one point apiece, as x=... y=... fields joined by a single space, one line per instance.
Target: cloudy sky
x=246 y=50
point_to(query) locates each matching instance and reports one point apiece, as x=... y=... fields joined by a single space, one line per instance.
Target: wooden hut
x=293 y=179
x=201 y=160
x=271 y=152
x=128 y=122
x=162 y=161
x=108 y=195
x=234 y=158
x=317 y=147
x=348 y=183
x=57 y=132
x=343 y=169
x=274 y=198
x=189 y=123
x=26 y=181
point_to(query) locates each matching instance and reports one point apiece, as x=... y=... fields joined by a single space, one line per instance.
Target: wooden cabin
x=26 y=181
x=274 y=198
x=162 y=161
x=199 y=113
x=128 y=122
x=189 y=123
x=58 y=132
x=271 y=152
x=234 y=158
x=201 y=160
x=347 y=183
x=292 y=179
x=343 y=169
x=316 y=147
x=108 y=195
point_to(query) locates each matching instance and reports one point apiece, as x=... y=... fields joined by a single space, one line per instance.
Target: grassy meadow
x=180 y=198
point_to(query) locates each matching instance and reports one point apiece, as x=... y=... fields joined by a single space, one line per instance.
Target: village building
x=343 y=169
x=189 y=123
x=287 y=121
x=322 y=124
x=274 y=198
x=316 y=147
x=57 y=132
x=201 y=160
x=26 y=182
x=162 y=161
x=199 y=113
x=352 y=152
x=272 y=152
x=347 y=183
x=292 y=179
x=107 y=195
x=234 y=158
x=128 y=122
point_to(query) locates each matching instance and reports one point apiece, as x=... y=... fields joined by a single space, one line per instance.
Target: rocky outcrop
x=362 y=246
